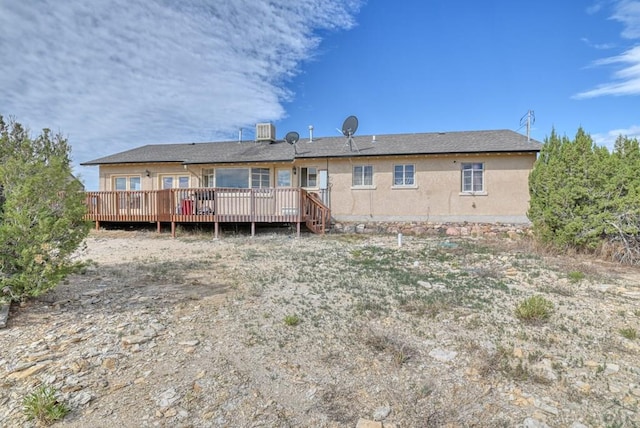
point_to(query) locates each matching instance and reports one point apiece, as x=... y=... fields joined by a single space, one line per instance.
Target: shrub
x=43 y=406
x=41 y=212
x=533 y=309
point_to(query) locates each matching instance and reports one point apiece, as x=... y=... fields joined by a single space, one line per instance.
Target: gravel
x=190 y=332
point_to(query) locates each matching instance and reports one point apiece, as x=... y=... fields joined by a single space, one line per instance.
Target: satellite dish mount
x=349 y=128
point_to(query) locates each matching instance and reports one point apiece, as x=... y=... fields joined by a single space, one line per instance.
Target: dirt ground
x=324 y=331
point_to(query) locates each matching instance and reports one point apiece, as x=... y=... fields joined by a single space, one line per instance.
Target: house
x=471 y=176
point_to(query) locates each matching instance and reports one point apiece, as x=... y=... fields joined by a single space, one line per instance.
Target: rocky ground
x=328 y=331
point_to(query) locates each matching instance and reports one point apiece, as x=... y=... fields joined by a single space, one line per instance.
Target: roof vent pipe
x=240 y=136
x=311 y=133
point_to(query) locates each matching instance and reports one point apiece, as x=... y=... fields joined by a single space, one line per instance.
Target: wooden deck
x=210 y=205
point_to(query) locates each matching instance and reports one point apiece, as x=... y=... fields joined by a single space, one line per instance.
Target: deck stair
x=316 y=214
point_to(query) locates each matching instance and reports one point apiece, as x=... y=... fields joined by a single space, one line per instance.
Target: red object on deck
x=187 y=207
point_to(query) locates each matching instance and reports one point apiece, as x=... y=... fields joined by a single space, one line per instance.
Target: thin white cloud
x=628 y=13
x=626 y=80
x=608 y=139
x=595 y=7
x=114 y=75
x=599 y=46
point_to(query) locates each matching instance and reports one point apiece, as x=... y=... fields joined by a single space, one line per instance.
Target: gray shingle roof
x=498 y=141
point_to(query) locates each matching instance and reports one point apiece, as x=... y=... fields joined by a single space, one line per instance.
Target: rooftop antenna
x=349 y=127
x=527 y=120
x=292 y=138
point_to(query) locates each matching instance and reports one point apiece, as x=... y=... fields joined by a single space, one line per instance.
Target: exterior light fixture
x=294 y=170
x=147 y=172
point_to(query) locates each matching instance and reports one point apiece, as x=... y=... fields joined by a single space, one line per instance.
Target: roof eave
x=236 y=161
x=447 y=153
x=93 y=163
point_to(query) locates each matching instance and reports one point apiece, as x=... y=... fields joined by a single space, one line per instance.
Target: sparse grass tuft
x=629 y=333
x=292 y=320
x=424 y=308
x=369 y=306
x=534 y=309
x=575 y=276
x=43 y=406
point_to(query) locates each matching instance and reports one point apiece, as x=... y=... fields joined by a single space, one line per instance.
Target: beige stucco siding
x=436 y=195
x=158 y=170
x=437 y=192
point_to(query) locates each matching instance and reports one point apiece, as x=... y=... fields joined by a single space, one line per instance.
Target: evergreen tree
x=583 y=196
x=41 y=212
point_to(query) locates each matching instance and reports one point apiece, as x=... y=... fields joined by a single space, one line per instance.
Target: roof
x=497 y=141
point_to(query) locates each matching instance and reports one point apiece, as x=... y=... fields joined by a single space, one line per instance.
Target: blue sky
x=113 y=75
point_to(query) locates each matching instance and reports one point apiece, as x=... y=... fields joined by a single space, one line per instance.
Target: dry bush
x=399 y=351
x=422 y=308
x=621 y=251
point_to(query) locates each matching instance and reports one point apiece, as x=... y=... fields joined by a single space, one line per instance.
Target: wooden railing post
x=252 y=210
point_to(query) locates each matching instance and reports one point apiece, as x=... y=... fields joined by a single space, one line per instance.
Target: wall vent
x=265 y=132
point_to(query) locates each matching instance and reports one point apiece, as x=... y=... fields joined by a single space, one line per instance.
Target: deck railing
x=209 y=205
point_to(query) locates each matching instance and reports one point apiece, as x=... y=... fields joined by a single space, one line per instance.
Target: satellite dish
x=292 y=137
x=350 y=126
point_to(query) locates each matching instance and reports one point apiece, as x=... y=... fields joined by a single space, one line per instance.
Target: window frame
x=255 y=177
x=280 y=172
x=221 y=171
x=359 y=179
x=305 y=181
x=176 y=181
x=208 y=177
x=259 y=177
x=471 y=172
x=128 y=182
x=126 y=199
x=404 y=177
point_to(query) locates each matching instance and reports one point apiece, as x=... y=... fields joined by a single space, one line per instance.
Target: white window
x=283 y=177
x=233 y=178
x=472 y=177
x=404 y=175
x=127 y=183
x=208 y=177
x=243 y=178
x=175 y=181
x=362 y=175
x=260 y=178
x=309 y=177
